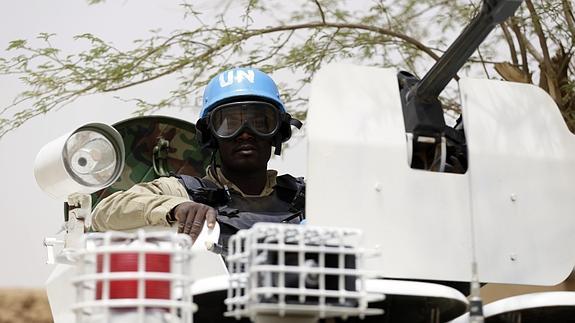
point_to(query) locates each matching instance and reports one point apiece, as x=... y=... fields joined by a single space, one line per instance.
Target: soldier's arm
x=142 y=205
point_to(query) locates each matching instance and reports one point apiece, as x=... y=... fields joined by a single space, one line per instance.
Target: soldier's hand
x=191 y=217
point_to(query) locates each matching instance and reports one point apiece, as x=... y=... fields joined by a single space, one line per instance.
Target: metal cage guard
x=141 y=277
x=278 y=270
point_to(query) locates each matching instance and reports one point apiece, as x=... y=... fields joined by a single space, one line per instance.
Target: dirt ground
x=24 y=306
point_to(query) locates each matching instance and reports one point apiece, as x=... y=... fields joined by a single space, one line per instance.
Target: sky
x=28 y=214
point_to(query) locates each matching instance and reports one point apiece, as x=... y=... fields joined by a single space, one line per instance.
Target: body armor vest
x=236 y=212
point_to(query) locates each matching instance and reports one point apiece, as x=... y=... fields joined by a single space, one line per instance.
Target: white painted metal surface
x=412 y=288
x=210 y=284
x=61 y=293
x=519 y=147
x=522 y=167
x=358 y=177
x=404 y=298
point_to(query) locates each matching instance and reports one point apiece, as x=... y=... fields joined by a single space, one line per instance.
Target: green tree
x=536 y=46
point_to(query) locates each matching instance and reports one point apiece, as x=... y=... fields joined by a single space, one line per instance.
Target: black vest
x=235 y=212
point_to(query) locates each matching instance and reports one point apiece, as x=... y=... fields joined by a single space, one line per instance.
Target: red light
x=128 y=262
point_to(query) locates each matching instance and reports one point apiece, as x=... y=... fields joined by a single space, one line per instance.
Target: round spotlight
x=83 y=161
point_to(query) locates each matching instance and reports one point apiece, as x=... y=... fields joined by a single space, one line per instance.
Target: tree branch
x=568 y=12
x=523 y=46
x=320 y=10
x=548 y=69
x=483 y=63
x=539 y=31
x=258 y=32
x=410 y=40
x=525 y=43
x=272 y=53
x=510 y=43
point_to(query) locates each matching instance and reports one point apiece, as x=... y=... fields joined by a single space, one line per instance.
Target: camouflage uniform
x=148 y=203
x=156 y=146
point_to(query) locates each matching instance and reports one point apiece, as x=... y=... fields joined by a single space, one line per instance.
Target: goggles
x=229 y=120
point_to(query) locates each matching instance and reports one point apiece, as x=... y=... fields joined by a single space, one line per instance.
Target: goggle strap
x=278 y=145
x=295 y=122
x=213 y=171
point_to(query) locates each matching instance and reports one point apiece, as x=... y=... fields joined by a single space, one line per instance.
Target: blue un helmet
x=243 y=99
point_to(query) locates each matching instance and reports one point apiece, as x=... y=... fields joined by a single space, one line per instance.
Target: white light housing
x=83 y=161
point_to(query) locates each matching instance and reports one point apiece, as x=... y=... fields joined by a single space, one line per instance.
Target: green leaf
x=45 y=36
x=16 y=44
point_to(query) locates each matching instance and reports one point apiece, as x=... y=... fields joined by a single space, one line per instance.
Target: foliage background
x=297 y=38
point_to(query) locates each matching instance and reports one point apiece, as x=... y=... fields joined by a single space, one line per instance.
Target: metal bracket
x=160 y=157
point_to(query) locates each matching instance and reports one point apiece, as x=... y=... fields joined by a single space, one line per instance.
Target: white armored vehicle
x=405 y=216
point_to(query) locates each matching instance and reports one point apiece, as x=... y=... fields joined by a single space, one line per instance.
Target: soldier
x=242 y=118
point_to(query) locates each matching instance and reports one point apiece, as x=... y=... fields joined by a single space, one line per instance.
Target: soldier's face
x=245 y=152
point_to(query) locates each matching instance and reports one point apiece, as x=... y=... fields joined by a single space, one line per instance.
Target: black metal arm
x=422 y=111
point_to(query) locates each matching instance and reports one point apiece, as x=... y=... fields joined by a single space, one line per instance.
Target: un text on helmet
x=227 y=79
